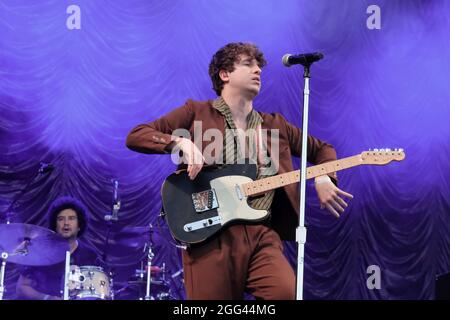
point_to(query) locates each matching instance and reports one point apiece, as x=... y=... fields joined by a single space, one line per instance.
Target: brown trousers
x=243 y=258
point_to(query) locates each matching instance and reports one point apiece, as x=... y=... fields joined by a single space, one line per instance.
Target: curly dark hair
x=225 y=58
x=68 y=202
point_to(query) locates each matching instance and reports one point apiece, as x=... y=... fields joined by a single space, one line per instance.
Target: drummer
x=68 y=217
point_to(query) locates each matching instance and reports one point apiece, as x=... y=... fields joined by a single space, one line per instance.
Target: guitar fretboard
x=281 y=180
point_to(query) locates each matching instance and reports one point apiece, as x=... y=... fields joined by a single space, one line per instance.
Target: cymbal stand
x=2 y=274
x=150 y=256
x=111 y=283
x=66 y=276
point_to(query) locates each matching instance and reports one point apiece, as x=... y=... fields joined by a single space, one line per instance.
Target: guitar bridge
x=202 y=224
x=205 y=200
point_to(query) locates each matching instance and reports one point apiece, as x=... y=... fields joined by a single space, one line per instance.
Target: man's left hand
x=330 y=196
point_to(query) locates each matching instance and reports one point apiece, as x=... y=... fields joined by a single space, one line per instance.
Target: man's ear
x=224 y=75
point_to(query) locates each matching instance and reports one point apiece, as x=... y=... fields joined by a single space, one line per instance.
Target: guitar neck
x=281 y=180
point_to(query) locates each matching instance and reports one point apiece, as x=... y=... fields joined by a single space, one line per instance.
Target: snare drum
x=88 y=283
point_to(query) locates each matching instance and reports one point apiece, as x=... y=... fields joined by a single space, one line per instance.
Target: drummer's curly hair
x=68 y=202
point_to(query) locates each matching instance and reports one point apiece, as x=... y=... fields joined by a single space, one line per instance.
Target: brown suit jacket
x=155 y=137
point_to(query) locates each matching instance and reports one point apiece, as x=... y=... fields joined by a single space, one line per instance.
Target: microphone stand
x=300 y=235
x=110 y=220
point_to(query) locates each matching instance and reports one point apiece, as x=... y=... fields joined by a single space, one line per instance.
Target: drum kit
x=30 y=245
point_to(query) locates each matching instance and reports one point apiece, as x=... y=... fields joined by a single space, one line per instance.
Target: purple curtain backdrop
x=69 y=97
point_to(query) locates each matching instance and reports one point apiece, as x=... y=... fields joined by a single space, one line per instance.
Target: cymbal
x=135 y=237
x=31 y=245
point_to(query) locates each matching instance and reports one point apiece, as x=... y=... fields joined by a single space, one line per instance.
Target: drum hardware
x=66 y=276
x=177 y=282
x=163 y=296
x=111 y=219
x=144 y=284
x=163 y=271
x=111 y=284
x=150 y=256
x=2 y=274
x=135 y=287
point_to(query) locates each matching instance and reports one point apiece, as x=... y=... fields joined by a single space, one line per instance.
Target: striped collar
x=253 y=118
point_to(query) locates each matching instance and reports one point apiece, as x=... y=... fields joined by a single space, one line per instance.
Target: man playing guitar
x=242 y=257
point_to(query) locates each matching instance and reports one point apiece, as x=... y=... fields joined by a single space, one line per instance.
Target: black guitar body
x=178 y=205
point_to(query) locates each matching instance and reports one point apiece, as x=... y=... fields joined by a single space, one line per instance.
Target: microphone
x=45 y=167
x=304 y=59
x=116 y=203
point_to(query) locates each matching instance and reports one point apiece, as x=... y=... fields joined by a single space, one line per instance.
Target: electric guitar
x=197 y=209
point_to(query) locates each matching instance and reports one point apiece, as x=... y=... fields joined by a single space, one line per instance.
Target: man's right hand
x=192 y=156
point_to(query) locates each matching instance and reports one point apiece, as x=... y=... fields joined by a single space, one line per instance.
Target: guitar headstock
x=382 y=156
